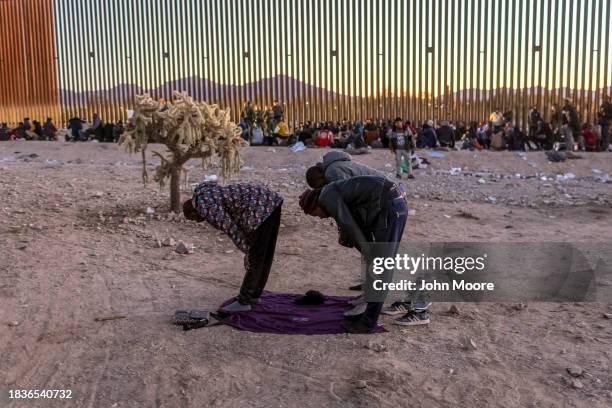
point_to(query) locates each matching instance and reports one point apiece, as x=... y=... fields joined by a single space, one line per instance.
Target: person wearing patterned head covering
x=250 y=215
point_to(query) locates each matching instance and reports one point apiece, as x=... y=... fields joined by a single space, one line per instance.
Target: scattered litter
x=606 y=178
x=13 y=323
x=271 y=150
x=446 y=216
x=150 y=211
x=98 y=194
x=411 y=213
x=437 y=155
x=566 y=176
x=481 y=181
x=455 y=171
x=492 y=200
x=298 y=147
x=248 y=168
x=50 y=164
x=596 y=171
x=361 y=384
x=544 y=178
x=388 y=165
x=212 y=177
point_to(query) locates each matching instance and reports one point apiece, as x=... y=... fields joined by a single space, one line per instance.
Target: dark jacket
x=359 y=205
x=446 y=136
x=339 y=166
x=428 y=137
x=401 y=140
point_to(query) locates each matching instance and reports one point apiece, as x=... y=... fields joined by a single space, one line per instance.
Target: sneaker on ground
x=412 y=319
x=396 y=308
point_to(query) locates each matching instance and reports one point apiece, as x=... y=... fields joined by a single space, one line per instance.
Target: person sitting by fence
x=591 y=140
x=49 y=130
x=428 y=138
x=446 y=135
x=4 y=132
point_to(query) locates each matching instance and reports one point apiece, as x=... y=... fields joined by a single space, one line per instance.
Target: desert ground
x=86 y=291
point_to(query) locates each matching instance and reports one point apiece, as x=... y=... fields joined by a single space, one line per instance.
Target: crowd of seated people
x=267 y=126
x=77 y=130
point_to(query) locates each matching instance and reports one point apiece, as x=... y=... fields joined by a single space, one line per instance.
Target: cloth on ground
x=278 y=313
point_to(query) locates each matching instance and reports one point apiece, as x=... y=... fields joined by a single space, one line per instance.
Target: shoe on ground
x=410 y=176
x=357 y=327
x=236 y=307
x=396 y=308
x=358 y=309
x=412 y=319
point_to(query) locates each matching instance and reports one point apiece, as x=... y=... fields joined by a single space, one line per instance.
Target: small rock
x=98 y=194
x=454 y=310
x=168 y=242
x=361 y=384
x=150 y=211
x=481 y=181
x=168 y=257
x=577 y=384
x=21 y=247
x=607 y=315
x=184 y=248
x=13 y=323
x=229 y=251
x=575 y=371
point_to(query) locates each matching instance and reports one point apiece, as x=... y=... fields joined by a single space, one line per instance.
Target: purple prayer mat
x=278 y=313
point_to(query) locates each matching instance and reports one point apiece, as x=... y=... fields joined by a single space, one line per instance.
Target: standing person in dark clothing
x=250 y=215
x=367 y=209
x=446 y=135
x=401 y=143
x=49 y=130
x=605 y=118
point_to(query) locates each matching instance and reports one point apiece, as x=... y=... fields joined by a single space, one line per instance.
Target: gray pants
x=402 y=156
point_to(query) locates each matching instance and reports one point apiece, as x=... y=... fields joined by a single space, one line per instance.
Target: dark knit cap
x=309 y=199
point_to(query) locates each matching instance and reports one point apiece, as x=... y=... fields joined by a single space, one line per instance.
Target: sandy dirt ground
x=77 y=245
